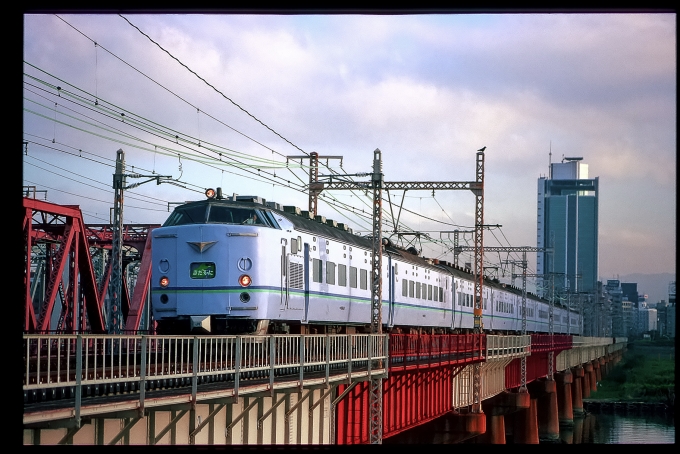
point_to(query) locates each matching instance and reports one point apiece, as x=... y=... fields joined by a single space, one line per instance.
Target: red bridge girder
x=537 y=362
x=59 y=231
x=418 y=389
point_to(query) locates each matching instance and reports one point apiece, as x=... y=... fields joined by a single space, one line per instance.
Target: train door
x=391 y=271
x=292 y=278
x=491 y=308
x=284 y=276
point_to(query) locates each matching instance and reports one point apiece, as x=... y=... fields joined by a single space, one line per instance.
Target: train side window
x=330 y=273
x=418 y=290
x=293 y=246
x=353 y=276
x=342 y=275
x=316 y=270
x=441 y=294
x=411 y=286
x=429 y=292
x=364 y=279
x=404 y=287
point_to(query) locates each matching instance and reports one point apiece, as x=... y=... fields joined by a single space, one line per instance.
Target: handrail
x=50 y=361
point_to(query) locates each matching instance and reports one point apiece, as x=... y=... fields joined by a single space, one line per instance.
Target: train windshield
x=220 y=214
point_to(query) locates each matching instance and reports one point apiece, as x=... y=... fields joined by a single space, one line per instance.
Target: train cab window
x=364 y=279
x=330 y=273
x=221 y=214
x=187 y=215
x=342 y=275
x=293 y=246
x=353 y=276
x=316 y=270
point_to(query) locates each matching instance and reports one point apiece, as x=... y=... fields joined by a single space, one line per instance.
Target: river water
x=616 y=428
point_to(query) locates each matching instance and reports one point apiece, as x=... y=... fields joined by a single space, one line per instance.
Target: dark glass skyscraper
x=568 y=222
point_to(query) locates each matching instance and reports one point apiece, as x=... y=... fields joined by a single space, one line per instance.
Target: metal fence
x=70 y=364
x=500 y=347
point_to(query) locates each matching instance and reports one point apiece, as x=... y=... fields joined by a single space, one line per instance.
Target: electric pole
x=114 y=319
x=315 y=187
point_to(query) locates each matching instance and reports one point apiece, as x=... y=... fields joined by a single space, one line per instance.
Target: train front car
x=209 y=274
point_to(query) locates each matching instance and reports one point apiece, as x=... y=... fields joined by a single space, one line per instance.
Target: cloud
x=428 y=90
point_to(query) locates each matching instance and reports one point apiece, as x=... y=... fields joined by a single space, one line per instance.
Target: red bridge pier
x=497 y=409
x=577 y=391
x=564 y=381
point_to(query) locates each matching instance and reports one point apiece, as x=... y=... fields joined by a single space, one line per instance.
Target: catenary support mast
x=377 y=185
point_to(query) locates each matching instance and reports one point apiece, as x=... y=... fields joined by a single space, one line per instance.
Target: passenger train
x=240 y=264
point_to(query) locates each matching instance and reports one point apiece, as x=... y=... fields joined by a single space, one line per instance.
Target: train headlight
x=210 y=193
x=244 y=280
x=164 y=282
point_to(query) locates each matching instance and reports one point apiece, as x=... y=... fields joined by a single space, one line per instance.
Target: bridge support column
x=603 y=368
x=587 y=374
x=496 y=408
x=564 y=399
x=595 y=375
x=576 y=395
x=464 y=426
x=545 y=392
x=525 y=424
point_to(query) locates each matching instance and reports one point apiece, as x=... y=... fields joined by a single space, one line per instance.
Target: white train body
x=212 y=273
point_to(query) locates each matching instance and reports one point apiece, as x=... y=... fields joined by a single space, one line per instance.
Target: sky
x=222 y=100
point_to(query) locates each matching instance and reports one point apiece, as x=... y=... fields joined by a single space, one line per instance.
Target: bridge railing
x=68 y=361
x=507 y=346
x=433 y=349
x=546 y=342
x=585 y=341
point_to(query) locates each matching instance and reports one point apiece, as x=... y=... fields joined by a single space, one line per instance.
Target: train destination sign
x=202 y=270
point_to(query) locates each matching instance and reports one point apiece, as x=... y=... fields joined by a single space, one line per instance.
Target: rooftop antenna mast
x=550 y=162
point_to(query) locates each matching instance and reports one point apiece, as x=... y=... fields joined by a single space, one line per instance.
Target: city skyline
x=428 y=90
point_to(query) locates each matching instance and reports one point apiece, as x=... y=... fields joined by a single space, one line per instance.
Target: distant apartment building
x=646 y=319
x=670 y=314
x=567 y=218
x=615 y=297
x=630 y=291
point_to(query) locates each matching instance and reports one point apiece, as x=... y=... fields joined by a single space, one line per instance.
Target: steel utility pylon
x=377 y=185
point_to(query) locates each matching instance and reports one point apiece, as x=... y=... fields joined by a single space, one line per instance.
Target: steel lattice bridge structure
x=68 y=262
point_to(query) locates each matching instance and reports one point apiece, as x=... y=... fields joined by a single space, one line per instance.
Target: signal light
x=210 y=193
x=164 y=281
x=244 y=280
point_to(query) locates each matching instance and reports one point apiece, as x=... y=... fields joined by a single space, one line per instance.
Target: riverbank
x=645 y=375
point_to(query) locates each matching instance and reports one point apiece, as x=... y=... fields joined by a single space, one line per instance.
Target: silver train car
x=240 y=265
